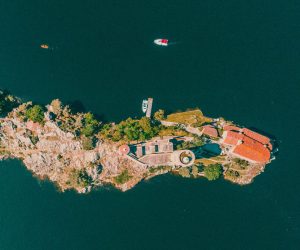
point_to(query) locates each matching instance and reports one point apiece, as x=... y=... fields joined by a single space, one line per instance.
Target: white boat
x=144 y=106
x=161 y=41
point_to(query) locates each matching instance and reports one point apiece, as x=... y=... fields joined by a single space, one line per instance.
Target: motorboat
x=44 y=46
x=144 y=106
x=161 y=42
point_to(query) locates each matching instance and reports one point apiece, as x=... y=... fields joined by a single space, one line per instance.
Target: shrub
x=80 y=178
x=184 y=172
x=159 y=115
x=123 y=177
x=35 y=114
x=213 y=171
x=90 y=125
x=88 y=143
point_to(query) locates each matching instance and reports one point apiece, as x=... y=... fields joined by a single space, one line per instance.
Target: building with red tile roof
x=231 y=127
x=210 y=131
x=253 y=152
x=248 y=145
x=232 y=137
x=256 y=136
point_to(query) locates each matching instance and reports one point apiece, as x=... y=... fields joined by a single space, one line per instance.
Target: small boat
x=44 y=46
x=161 y=42
x=144 y=106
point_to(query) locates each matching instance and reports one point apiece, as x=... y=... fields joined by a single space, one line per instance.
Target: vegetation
x=197 y=142
x=35 y=114
x=195 y=171
x=192 y=117
x=131 y=130
x=90 y=125
x=172 y=131
x=242 y=163
x=233 y=173
x=34 y=139
x=159 y=115
x=159 y=168
x=123 y=177
x=184 y=172
x=88 y=143
x=80 y=178
x=213 y=171
x=7 y=102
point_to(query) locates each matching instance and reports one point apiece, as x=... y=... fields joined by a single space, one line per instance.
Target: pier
x=149 y=108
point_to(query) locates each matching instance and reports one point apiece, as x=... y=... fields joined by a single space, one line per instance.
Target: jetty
x=149 y=108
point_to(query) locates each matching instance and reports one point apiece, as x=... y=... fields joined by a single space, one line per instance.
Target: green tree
x=90 y=125
x=35 y=114
x=159 y=115
x=213 y=171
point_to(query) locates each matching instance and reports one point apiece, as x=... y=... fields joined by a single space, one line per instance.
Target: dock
x=149 y=108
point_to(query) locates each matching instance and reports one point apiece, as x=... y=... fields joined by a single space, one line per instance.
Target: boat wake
x=174 y=43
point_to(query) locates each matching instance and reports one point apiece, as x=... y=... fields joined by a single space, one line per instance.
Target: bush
x=35 y=114
x=90 y=125
x=213 y=171
x=232 y=173
x=130 y=130
x=159 y=115
x=88 y=143
x=242 y=163
x=184 y=172
x=123 y=177
x=195 y=171
x=80 y=178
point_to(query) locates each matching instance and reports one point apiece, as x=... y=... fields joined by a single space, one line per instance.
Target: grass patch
x=123 y=177
x=193 y=118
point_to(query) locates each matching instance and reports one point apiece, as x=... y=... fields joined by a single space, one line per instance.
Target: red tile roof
x=232 y=138
x=210 y=131
x=252 y=150
x=231 y=127
x=250 y=147
x=256 y=136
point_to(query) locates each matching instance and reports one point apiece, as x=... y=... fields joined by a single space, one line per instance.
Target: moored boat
x=144 y=106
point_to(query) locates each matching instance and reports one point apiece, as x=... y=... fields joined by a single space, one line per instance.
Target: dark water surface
x=237 y=59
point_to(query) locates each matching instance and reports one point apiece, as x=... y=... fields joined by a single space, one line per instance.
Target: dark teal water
x=235 y=59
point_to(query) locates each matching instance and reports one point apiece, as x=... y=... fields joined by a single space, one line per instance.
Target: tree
x=35 y=114
x=90 y=125
x=159 y=115
x=213 y=171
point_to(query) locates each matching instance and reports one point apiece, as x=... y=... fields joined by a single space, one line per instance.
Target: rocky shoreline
x=54 y=149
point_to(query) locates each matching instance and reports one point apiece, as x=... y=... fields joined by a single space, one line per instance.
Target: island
x=76 y=151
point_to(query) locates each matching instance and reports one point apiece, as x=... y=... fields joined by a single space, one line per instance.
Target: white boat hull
x=144 y=106
x=161 y=42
